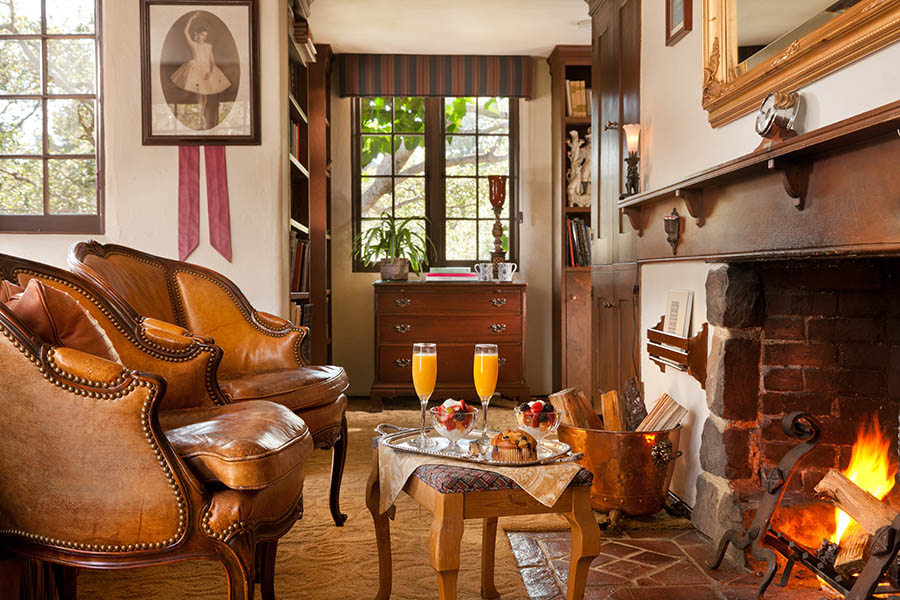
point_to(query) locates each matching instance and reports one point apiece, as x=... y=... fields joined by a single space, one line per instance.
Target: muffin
x=513 y=446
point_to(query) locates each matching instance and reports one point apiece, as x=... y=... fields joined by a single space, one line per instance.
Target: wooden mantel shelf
x=792 y=157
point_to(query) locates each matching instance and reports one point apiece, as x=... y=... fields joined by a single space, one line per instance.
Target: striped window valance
x=434 y=75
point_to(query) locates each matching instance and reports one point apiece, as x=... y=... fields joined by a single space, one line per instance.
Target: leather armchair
x=94 y=474
x=261 y=352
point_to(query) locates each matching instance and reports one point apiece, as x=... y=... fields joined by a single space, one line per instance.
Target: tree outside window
x=430 y=158
x=49 y=116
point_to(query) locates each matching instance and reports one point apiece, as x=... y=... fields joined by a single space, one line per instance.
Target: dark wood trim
x=671 y=40
x=79 y=224
x=151 y=139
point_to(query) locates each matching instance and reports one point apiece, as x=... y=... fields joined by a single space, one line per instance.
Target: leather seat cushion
x=298 y=388
x=57 y=318
x=244 y=446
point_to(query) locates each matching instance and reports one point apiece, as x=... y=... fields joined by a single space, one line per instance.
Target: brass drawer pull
x=501 y=361
x=402 y=302
x=402 y=328
x=498 y=327
x=498 y=301
x=403 y=362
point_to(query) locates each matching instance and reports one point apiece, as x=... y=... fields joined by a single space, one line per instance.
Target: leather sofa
x=262 y=357
x=118 y=449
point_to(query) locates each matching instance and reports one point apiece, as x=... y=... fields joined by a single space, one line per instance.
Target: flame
x=871 y=468
x=649 y=438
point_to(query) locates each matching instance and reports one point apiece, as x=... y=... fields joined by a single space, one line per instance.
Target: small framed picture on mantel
x=678 y=20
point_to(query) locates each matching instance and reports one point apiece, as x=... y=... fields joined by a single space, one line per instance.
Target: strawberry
x=537 y=406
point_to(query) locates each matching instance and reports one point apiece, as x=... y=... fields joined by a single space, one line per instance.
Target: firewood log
x=666 y=414
x=590 y=416
x=635 y=409
x=854 y=550
x=564 y=400
x=612 y=409
x=863 y=507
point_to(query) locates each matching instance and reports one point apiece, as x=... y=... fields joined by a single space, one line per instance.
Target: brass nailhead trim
x=145 y=425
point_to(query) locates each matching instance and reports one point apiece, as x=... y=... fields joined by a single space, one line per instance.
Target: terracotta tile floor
x=645 y=565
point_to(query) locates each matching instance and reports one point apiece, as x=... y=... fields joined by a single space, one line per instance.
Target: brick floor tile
x=602 y=593
x=561 y=567
x=596 y=577
x=602 y=559
x=617 y=549
x=674 y=593
x=692 y=537
x=626 y=568
x=556 y=547
x=659 y=546
x=681 y=573
x=526 y=550
x=662 y=534
x=653 y=559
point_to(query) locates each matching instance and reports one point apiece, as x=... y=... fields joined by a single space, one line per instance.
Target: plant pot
x=394 y=269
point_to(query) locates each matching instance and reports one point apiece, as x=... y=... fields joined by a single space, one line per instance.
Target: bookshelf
x=570 y=70
x=307 y=162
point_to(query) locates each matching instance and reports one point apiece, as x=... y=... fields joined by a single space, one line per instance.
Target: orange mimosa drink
x=485 y=374
x=424 y=373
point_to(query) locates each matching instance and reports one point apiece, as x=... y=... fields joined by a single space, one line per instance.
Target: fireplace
x=819 y=336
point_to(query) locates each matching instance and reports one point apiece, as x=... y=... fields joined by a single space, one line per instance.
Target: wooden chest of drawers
x=455 y=316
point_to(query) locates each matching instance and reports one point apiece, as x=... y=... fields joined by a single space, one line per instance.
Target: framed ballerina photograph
x=199 y=72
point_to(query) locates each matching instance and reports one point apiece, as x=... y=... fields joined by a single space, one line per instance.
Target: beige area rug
x=319 y=561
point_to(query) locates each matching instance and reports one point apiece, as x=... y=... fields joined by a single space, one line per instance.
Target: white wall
x=352 y=329
x=677 y=141
x=142 y=181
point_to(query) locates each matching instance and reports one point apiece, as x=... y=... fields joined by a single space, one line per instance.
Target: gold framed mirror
x=753 y=47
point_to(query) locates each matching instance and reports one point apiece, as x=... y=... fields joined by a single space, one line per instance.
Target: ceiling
x=531 y=27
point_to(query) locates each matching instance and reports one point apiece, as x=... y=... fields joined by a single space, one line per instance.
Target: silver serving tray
x=549 y=452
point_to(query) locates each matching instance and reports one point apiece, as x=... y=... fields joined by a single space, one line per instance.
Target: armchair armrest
x=251 y=340
x=81 y=452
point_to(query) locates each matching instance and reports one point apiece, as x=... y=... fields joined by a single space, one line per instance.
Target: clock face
x=766 y=116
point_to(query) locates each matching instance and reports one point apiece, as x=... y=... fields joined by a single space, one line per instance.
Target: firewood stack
x=619 y=413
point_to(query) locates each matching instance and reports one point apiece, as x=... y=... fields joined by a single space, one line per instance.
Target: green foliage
x=393 y=238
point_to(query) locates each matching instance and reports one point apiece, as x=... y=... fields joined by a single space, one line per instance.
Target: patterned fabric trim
x=434 y=75
x=448 y=479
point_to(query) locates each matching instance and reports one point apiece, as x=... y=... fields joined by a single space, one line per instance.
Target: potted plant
x=394 y=245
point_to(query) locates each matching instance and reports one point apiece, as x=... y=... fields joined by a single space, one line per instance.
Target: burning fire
x=870 y=468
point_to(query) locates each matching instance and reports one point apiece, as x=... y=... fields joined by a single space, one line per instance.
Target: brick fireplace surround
x=815 y=335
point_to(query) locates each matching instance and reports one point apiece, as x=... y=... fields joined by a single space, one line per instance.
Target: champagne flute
x=424 y=374
x=484 y=371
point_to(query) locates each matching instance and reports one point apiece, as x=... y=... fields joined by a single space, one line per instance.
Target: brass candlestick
x=498 y=197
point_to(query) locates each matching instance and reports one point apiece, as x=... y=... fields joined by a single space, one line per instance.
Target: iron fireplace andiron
x=761 y=539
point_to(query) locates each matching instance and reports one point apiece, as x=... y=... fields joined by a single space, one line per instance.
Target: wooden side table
x=454 y=494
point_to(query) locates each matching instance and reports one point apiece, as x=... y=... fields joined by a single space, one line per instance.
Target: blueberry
x=524 y=406
x=460 y=416
x=548 y=408
x=542 y=418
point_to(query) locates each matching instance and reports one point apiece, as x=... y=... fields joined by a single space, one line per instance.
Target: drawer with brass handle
x=498 y=302
x=438 y=328
x=402 y=302
x=498 y=327
x=402 y=327
x=477 y=301
x=403 y=362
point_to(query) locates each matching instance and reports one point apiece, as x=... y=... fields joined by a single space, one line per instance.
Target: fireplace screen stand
x=761 y=539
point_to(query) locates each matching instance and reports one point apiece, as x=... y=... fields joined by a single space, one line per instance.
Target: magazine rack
x=686 y=354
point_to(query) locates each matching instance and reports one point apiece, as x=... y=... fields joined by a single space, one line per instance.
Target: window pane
x=70 y=126
x=21 y=127
x=459 y=115
x=20 y=16
x=460 y=240
x=409 y=155
x=71 y=66
x=486 y=239
x=70 y=16
x=21 y=187
x=485 y=209
x=460 y=155
x=375 y=115
x=493 y=115
x=493 y=155
x=461 y=201
x=73 y=186
x=409 y=115
x=375 y=197
x=375 y=154
x=20 y=66
x=409 y=197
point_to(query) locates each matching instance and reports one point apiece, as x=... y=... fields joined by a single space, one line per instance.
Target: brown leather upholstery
x=59 y=320
x=261 y=352
x=89 y=479
x=298 y=389
x=245 y=446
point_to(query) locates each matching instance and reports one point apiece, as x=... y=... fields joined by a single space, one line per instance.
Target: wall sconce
x=632 y=141
x=672 y=225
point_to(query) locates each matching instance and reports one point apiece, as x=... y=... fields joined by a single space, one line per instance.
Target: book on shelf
x=568 y=87
x=579 y=236
x=300 y=266
x=678 y=312
x=571 y=254
x=297 y=314
x=577 y=98
x=451 y=277
x=450 y=269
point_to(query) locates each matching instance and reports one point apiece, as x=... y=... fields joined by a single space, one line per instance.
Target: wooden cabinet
x=616 y=352
x=455 y=316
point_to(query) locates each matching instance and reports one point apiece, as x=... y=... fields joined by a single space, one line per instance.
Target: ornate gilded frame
x=727 y=94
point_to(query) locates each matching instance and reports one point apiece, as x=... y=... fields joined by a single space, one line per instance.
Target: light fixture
x=632 y=141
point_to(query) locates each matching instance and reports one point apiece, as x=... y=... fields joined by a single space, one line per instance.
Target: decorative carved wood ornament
x=729 y=93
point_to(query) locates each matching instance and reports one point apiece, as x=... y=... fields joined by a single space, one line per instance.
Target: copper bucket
x=632 y=470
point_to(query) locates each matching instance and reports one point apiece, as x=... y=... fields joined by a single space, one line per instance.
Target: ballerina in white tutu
x=200 y=75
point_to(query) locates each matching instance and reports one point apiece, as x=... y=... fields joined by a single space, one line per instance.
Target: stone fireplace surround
x=817 y=335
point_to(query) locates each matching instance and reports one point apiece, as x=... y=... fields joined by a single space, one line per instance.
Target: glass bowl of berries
x=454 y=419
x=537 y=418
